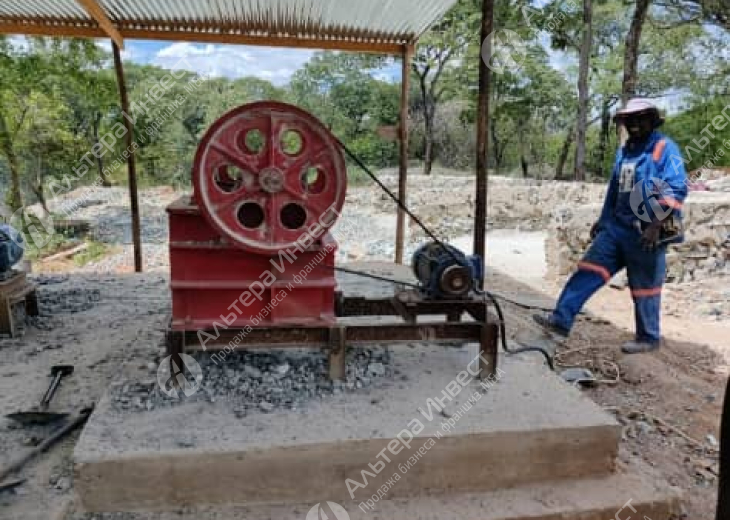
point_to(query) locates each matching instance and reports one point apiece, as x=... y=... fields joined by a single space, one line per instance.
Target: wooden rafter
x=97 y=13
x=86 y=30
x=204 y=33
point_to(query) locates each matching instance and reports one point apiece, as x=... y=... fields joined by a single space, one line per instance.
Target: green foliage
x=59 y=98
x=94 y=251
x=687 y=130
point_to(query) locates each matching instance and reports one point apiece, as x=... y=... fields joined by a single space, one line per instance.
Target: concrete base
x=616 y=496
x=529 y=427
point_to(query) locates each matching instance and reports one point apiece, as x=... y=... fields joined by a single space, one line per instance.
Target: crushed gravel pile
x=261 y=382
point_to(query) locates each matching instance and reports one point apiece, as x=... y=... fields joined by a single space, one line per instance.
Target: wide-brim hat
x=639 y=106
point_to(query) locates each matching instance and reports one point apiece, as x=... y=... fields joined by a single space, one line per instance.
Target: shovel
x=18 y=463
x=41 y=415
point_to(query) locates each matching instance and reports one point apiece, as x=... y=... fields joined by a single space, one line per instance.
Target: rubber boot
x=639 y=347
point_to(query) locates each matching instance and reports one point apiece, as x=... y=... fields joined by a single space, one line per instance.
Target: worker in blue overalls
x=641 y=215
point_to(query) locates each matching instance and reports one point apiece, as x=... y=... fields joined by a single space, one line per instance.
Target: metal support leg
x=338 y=348
x=488 y=351
x=175 y=347
x=31 y=304
x=6 y=318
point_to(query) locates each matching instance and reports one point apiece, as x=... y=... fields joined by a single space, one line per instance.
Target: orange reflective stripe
x=659 y=150
x=587 y=266
x=669 y=201
x=643 y=293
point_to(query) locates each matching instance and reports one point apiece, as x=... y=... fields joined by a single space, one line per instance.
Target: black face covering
x=639 y=126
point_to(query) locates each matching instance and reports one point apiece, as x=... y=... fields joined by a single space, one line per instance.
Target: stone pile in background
x=445 y=201
x=704 y=253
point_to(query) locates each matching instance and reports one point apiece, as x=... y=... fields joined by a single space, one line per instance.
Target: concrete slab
x=527 y=427
x=616 y=496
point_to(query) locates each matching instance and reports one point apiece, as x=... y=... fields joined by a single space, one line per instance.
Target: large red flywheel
x=265 y=172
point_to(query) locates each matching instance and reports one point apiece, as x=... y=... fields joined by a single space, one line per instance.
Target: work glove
x=650 y=236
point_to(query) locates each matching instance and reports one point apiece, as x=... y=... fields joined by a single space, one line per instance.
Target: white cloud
x=233 y=61
x=127 y=53
x=19 y=43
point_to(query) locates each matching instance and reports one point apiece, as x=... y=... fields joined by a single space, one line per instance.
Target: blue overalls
x=648 y=183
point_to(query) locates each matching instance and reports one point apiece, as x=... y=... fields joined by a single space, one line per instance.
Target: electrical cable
x=486 y=294
x=503 y=334
x=373 y=276
x=395 y=198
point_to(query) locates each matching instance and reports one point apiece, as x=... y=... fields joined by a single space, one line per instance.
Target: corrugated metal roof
x=395 y=22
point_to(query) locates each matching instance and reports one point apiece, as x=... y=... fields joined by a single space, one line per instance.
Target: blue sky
x=232 y=61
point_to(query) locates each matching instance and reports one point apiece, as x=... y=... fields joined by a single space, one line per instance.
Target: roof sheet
x=380 y=23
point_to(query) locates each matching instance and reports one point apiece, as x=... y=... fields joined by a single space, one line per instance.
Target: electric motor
x=444 y=272
x=11 y=247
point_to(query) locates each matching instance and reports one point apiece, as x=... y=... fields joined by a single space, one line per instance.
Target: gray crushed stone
x=261 y=382
x=54 y=300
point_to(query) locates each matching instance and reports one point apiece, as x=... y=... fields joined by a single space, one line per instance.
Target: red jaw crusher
x=252 y=246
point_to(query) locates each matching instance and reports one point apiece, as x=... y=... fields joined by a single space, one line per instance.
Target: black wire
x=401 y=205
x=373 y=276
x=527 y=305
x=503 y=334
x=395 y=198
x=492 y=297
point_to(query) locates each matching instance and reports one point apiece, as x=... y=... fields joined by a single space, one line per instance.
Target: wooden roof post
x=480 y=213
x=97 y=13
x=400 y=230
x=131 y=166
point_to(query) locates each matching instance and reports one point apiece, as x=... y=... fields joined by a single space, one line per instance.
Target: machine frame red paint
x=252 y=260
x=251 y=246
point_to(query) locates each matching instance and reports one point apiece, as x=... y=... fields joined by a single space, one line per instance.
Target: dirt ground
x=106 y=326
x=669 y=401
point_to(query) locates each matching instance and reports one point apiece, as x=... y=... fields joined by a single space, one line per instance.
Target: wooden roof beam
x=39 y=28
x=98 y=14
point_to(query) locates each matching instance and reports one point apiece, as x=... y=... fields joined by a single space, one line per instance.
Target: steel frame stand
x=483 y=328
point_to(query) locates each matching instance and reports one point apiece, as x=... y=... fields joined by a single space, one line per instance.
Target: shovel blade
x=36 y=417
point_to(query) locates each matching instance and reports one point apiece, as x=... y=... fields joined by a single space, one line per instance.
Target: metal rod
x=480 y=213
x=400 y=230
x=395 y=198
x=46 y=400
x=23 y=459
x=131 y=163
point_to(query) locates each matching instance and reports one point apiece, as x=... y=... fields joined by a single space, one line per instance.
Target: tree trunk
x=631 y=52
x=604 y=136
x=495 y=145
x=38 y=189
x=428 y=114
x=99 y=161
x=14 y=198
x=524 y=165
x=523 y=158
x=583 y=92
x=564 y=152
x=428 y=142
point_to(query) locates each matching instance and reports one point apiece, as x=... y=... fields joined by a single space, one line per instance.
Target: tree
x=583 y=93
x=339 y=88
x=631 y=50
x=437 y=50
